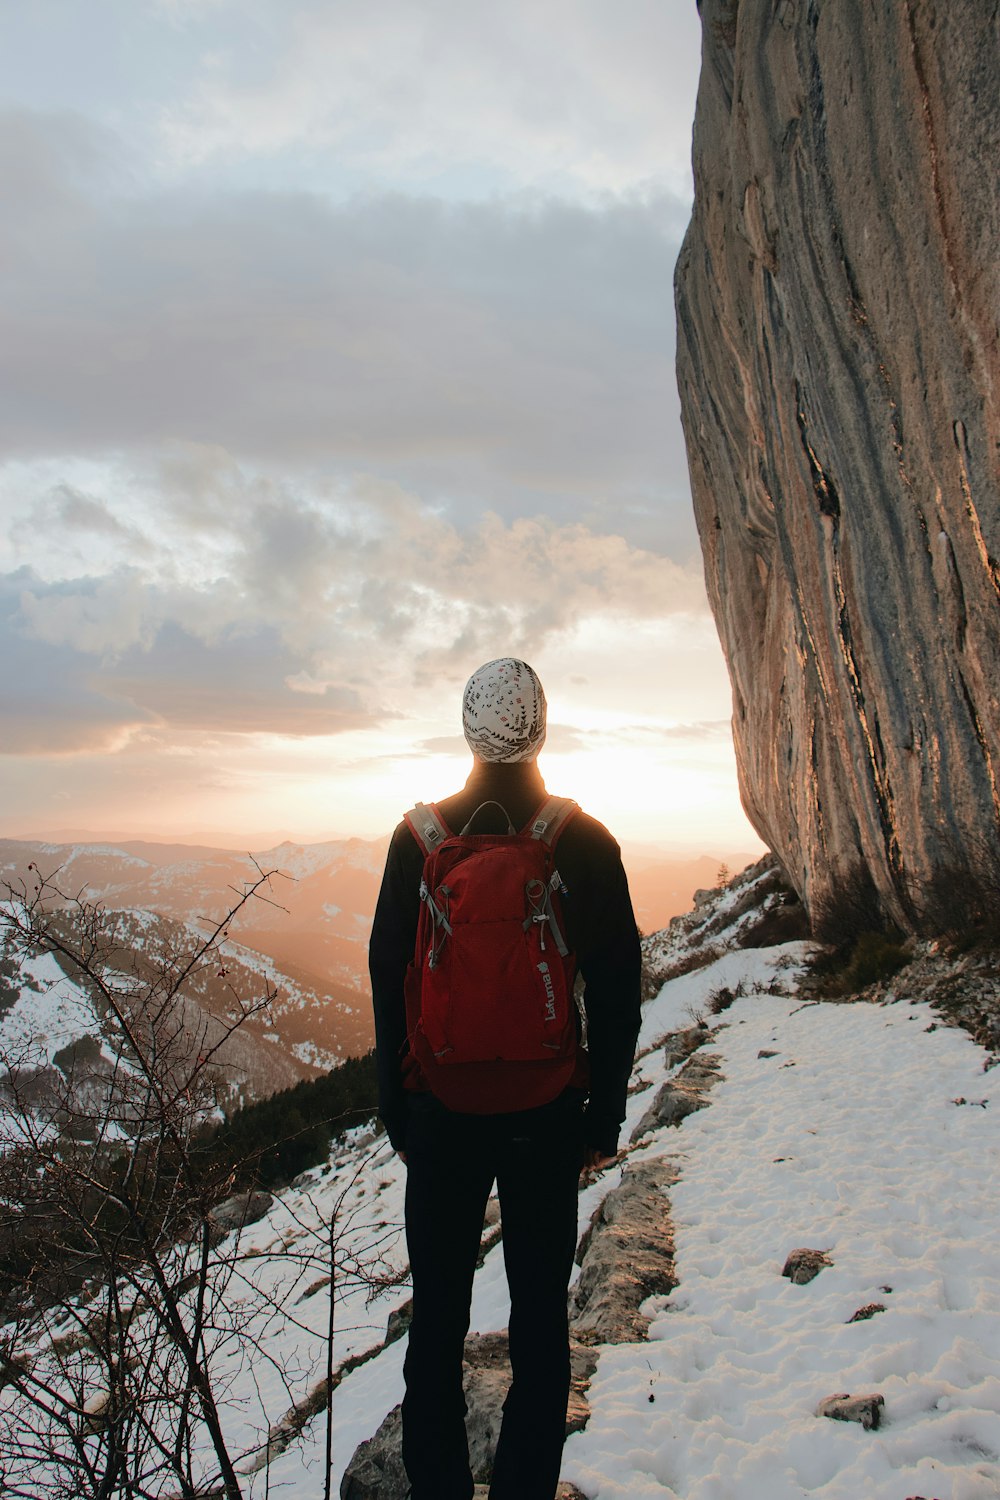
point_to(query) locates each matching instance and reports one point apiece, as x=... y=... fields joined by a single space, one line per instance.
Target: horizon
x=232 y=843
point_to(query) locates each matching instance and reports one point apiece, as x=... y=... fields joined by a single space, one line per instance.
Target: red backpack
x=490 y=1014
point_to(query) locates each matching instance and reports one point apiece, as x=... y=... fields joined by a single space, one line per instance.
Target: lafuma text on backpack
x=491 y=1019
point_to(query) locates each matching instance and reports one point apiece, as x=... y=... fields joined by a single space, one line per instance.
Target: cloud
x=508 y=355
x=182 y=8
x=700 y=731
x=50 y=162
x=70 y=509
x=318 y=612
x=239 y=684
x=48 y=703
x=96 y=616
x=567 y=92
x=78 y=673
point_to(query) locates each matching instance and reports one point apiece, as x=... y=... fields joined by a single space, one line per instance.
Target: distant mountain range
x=308 y=938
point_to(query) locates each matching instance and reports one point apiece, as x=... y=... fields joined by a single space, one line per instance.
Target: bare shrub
x=960 y=901
x=852 y=907
x=873 y=958
x=129 y=1305
x=785 y=922
x=721 y=999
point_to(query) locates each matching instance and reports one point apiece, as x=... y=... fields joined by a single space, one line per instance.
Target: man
x=535 y=1155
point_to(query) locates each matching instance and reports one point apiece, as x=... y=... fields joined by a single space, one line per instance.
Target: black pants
x=453 y=1160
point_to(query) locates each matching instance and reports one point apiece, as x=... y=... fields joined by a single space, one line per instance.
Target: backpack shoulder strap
x=551 y=818
x=427 y=826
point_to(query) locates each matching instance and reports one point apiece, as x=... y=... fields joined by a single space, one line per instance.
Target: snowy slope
x=870 y=1132
x=310 y=928
x=49 y=1013
x=848 y=1140
x=42 y=1009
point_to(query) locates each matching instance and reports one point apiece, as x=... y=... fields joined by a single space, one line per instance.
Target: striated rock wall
x=837 y=298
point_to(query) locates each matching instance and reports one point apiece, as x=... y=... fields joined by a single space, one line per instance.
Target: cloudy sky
x=337 y=358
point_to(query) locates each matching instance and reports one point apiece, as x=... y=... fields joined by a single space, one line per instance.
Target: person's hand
x=402 y=1157
x=594 y=1161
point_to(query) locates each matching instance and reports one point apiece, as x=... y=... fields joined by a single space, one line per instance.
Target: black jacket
x=600 y=928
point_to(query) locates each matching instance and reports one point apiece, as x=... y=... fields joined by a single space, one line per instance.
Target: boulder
x=838 y=366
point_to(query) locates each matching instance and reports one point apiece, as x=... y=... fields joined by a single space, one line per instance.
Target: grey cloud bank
x=491 y=353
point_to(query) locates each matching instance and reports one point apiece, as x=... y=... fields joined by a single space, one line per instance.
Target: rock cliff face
x=837 y=297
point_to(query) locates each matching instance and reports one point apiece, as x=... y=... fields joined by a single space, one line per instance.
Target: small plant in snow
x=722 y=998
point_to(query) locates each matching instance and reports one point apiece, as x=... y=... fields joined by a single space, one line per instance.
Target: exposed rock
x=677 y=1047
x=492 y=1230
x=837 y=300
x=376 y=1471
x=625 y=1255
x=238 y=1211
x=803 y=1266
x=870 y=1310
x=963 y=988
x=671 y=1106
x=398 y=1321
x=846 y=1408
x=13 y=1367
x=701 y=1072
x=680 y=1096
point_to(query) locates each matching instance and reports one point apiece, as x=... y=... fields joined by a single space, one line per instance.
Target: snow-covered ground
x=866 y=1130
x=870 y=1137
x=872 y=1134
x=50 y=1013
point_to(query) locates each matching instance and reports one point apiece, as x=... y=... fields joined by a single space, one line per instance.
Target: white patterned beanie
x=503 y=711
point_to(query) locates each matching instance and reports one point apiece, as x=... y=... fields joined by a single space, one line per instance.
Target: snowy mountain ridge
x=307 y=938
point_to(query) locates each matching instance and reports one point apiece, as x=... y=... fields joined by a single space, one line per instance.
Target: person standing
x=557 y=1120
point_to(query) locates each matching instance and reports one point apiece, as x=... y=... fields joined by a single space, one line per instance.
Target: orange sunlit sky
x=337 y=353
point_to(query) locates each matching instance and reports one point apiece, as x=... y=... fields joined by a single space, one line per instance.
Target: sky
x=336 y=358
